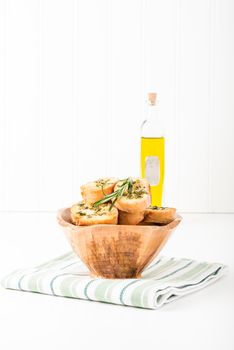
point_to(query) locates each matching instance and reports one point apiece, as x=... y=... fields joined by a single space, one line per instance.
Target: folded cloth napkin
x=166 y=279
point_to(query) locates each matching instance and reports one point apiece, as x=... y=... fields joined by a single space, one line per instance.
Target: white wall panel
x=124 y=87
x=74 y=76
x=3 y=151
x=20 y=99
x=222 y=122
x=90 y=110
x=56 y=114
x=193 y=100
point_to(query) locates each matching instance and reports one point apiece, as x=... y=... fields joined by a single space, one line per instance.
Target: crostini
x=130 y=218
x=96 y=190
x=135 y=197
x=83 y=215
x=159 y=215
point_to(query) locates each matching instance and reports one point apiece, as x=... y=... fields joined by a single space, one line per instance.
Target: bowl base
x=109 y=277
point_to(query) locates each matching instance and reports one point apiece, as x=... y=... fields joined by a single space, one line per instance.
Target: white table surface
x=203 y=320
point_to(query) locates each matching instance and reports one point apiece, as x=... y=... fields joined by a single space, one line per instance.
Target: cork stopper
x=152 y=96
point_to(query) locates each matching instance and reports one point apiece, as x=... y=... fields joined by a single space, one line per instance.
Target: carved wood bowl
x=116 y=251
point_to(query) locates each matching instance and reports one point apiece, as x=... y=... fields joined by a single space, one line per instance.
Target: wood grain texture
x=116 y=251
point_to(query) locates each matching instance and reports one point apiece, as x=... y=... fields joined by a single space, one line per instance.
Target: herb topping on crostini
x=84 y=215
x=129 y=188
x=83 y=210
x=155 y=207
x=102 y=182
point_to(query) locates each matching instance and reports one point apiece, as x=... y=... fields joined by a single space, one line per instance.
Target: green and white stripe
x=164 y=281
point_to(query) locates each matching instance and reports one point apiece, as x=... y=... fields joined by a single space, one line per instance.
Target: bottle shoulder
x=152 y=128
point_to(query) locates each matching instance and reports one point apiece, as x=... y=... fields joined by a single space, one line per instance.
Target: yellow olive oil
x=152 y=150
x=152 y=166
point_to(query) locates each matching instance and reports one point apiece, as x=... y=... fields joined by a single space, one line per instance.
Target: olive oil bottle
x=153 y=150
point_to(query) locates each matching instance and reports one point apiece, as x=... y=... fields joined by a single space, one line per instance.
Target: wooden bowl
x=116 y=251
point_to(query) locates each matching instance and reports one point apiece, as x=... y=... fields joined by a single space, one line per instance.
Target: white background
x=73 y=80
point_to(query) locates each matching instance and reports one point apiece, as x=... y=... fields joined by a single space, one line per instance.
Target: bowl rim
x=65 y=223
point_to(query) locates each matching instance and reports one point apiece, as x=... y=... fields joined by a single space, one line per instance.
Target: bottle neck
x=153 y=125
x=152 y=112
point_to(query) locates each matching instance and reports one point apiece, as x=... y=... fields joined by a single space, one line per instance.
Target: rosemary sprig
x=126 y=186
x=130 y=185
x=101 y=183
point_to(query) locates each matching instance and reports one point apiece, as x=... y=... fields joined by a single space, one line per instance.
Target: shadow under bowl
x=116 y=251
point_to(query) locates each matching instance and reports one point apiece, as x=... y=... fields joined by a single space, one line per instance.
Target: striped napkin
x=165 y=280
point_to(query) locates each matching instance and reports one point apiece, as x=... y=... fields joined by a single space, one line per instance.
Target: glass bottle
x=153 y=150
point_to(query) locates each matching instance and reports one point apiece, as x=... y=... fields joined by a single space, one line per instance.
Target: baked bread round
x=135 y=199
x=159 y=215
x=83 y=215
x=95 y=190
x=130 y=218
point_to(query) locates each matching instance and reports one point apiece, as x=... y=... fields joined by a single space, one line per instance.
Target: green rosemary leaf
x=113 y=203
x=102 y=201
x=81 y=213
x=127 y=185
x=122 y=190
x=103 y=191
x=130 y=185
